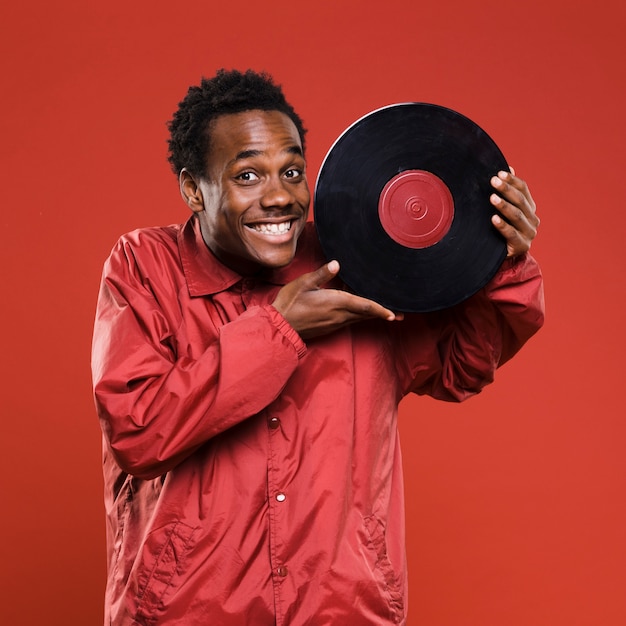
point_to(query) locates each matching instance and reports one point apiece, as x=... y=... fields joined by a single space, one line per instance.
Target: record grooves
x=402 y=202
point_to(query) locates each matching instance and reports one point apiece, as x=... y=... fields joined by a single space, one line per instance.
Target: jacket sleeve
x=156 y=406
x=452 y=354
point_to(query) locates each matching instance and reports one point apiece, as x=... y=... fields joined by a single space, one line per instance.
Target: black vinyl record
x=402 y=202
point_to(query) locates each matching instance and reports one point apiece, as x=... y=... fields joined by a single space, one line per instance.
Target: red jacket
x=252 y=479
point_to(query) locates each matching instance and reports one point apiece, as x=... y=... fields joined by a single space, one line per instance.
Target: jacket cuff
x=286 y=330
x=515 y=268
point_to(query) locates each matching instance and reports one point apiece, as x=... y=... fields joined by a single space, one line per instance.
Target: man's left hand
x=514 y=202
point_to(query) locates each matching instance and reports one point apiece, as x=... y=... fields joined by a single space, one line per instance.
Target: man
x=251 y=457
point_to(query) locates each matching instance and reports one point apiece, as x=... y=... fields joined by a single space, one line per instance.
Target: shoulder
x=142 y=248
x=149 y=241
x=150 y=238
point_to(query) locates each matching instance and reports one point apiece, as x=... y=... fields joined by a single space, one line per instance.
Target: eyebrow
x=248 y=154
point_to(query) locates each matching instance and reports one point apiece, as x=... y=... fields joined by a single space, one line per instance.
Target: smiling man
x=249 y=403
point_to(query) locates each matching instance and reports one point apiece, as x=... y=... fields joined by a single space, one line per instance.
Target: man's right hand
x=313 y=311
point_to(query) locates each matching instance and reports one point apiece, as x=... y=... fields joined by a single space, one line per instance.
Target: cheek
x=305 y=192
x=232 y=208
x=224 y=218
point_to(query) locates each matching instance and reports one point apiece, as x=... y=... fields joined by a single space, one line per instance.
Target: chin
x=279 y=262
x=278 y=258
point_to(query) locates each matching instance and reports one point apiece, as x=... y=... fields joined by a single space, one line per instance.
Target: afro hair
x=229 y=91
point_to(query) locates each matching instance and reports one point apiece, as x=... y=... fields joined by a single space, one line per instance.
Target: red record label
x=416 y=209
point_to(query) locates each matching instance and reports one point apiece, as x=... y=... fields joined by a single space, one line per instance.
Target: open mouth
x=273 y=228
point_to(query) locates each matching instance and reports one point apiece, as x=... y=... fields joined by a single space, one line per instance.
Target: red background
x=515 y=500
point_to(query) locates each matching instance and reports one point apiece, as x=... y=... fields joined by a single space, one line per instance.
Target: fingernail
x=495 y=199
x=333 y=266
x=496 y=182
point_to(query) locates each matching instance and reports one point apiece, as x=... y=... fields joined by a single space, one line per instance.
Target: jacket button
x=282 y=571
x=281 y=497
x=273 y=422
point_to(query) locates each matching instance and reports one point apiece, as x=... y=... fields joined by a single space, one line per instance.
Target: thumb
x=324 y=274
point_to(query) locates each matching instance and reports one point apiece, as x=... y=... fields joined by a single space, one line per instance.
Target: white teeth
x=272 y=229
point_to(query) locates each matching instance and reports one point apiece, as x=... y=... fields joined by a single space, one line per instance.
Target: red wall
x=516 y=499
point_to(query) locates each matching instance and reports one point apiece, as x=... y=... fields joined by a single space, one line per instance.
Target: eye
x=293 y=172
x=247 y=177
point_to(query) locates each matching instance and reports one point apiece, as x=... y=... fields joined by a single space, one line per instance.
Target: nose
x=277 y=194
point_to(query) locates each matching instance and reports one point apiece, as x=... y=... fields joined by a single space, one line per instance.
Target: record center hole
x=417 y=208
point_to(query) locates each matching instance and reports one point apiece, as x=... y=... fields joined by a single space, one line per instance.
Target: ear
x=190 y=191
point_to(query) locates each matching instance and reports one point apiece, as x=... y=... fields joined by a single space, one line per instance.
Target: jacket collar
x=206 y=275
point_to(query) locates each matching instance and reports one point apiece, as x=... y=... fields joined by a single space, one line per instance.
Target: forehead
x=263 y=131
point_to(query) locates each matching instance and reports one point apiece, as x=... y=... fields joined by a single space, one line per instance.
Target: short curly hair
x=229 y=91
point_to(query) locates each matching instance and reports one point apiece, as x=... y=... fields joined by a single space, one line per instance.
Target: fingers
x=517 y=207
x=515 y=192
x=516 y=244
x=358 y=307
x=362 y=308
